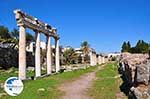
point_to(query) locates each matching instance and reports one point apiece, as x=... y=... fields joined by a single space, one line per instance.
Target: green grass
x=14 y=72
x=106 y=86
x=50 y=85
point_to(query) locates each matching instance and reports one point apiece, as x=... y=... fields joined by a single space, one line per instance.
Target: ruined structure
x=93 y=58
x=96 y=58
x=135 y=70
x=26 y=21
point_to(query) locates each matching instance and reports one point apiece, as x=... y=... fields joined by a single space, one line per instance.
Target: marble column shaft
x=57 y=60
x=49 y=56
x=22 y=52
x=37 y=56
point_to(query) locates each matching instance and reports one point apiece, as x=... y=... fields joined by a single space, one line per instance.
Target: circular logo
x=13 y=86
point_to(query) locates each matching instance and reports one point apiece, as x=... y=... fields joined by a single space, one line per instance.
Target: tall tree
x=4 y=33
x=142 y=47
x=15 y=33
x=126 y=47
x=85 y=48
x=149 y=50
x=15 y=36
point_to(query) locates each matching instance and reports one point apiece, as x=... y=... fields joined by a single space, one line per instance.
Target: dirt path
x=78 y=88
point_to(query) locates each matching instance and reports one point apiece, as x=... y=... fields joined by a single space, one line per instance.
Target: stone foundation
x=135 y=69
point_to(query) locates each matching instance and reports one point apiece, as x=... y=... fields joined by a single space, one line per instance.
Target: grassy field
x=107 y=84
x=4 y=74
x=48 y=84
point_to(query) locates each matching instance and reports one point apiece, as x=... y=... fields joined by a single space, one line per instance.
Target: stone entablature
x=28 y=21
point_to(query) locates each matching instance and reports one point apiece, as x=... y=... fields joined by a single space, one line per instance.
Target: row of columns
x=22 y=54
x=94 y=59
x=100 y=59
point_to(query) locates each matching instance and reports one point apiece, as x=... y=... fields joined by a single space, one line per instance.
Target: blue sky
x=105 y=24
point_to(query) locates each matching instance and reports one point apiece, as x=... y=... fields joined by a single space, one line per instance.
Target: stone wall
x=135 y=70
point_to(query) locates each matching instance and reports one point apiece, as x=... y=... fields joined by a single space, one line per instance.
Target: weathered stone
x=26 y=21
x=137 y=93
x=57 y=59
x=136 y=64
x=93 y=58
x=37 y=56
x=143 y=73
x=22 y=52
x=49 y=56
x=136 y=69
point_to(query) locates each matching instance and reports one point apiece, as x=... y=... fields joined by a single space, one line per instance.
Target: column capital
x=21 y=25
x=57 y=38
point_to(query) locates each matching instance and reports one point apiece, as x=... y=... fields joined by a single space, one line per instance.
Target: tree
x=15 y=34
x=4 y=33
x=149 y=51
x=142 y=47
x=8 y=41
x=85 y=48
x=123 y=47
x=15 y=37
x=126 y=47
x=133 y=50
x=70 y=56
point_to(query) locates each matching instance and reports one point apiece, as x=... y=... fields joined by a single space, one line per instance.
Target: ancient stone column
x=37 y=55
x=57 y=61
x=49 y=56
x=22 y=52
x=95 y=59
x=99 y=59
x=82 y=58
x=91 y=59
x=103 y=59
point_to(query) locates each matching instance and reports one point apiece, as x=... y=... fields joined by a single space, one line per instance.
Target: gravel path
x=78 y=89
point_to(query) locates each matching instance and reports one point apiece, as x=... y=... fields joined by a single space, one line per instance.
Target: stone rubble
x=136 y=70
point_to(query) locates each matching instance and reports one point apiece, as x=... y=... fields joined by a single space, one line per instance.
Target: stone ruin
x=25 y=21
x=135 y=70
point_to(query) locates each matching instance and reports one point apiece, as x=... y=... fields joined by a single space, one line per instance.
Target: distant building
x=31 y=46
x=114 y=54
